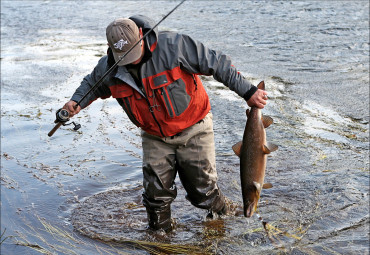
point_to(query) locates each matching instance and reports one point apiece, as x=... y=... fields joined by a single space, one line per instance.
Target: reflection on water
x=78 y=192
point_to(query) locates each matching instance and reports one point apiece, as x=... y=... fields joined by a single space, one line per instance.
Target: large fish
x=253 y=152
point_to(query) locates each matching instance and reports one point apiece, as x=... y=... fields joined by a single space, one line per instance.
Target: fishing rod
x=62 y=115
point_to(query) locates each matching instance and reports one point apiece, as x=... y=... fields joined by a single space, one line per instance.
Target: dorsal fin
x=267 y=121
x=269 y=147
x=237 y=148
x=261 y=85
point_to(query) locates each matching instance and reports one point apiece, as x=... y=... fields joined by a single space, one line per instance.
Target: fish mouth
x=249 y=209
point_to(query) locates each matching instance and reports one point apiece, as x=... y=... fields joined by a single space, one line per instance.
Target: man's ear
x=141 y=35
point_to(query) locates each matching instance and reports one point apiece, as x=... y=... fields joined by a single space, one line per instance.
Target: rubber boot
x=229 y=208
x=160 y=219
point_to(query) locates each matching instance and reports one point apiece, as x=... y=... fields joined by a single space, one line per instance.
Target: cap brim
x=131 y=57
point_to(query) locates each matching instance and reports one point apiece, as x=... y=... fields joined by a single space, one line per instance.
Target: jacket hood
x=146 y=24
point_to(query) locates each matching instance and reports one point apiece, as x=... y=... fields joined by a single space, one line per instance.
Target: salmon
x=253 y=150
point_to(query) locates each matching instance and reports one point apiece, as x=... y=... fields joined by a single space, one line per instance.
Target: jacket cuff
x=250 y=93
x=77 y=99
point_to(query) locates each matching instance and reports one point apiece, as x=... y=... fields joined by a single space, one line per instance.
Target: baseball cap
x=122 y=34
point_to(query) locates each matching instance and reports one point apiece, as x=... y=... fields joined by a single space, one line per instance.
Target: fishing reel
x=61 y=118
x=62 y=115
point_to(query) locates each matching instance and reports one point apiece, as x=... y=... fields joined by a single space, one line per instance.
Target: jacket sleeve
x=102 y=91
x=194 y=57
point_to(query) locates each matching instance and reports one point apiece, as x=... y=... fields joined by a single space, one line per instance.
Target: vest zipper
x=195 y=81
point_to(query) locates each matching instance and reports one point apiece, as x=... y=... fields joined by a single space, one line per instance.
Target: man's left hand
x=258 y=99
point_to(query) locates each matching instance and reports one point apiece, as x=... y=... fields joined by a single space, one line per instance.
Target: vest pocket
x=173 y=96
x=166 y=99
x=125 y=103
x=124 y=94
x=121 y=90
x=179 y=98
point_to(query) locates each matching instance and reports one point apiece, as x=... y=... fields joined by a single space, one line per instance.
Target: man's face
x=142 y=49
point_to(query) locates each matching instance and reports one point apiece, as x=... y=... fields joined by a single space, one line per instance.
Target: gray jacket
x=172 y=50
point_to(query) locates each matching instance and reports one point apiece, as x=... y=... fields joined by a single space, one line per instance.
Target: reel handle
x=55 y=129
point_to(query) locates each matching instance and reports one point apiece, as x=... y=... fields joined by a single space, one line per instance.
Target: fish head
x=251 y=201
x=250 y=208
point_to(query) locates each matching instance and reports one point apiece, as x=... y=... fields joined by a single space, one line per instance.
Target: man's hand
x=258 y=99
x=70 y=107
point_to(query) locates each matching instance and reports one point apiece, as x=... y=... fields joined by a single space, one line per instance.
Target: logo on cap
x=119 y=45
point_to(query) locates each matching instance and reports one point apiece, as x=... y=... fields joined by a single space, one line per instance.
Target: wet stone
x=256 y=239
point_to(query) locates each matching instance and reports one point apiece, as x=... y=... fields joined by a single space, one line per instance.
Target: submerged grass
x=274 y=231
x=2 y=238
x=65 y=242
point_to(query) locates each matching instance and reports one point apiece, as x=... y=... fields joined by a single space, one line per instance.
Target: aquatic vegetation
x=64 y=241
x=2 y=238
x=214 y=229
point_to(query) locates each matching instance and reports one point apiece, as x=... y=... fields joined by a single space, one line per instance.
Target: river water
x=80 y=192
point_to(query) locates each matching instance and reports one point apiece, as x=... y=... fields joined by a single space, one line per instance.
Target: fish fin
x=267 y=185
x=266 y=150
x=237 y=148
x=267 y=121
x=261 y=85
x=269 y=147
x=258 y=187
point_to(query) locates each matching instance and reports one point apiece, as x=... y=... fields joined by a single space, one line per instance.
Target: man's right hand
x=70 y=107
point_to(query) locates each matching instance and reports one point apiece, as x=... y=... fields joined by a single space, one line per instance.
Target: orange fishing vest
x=175 y=100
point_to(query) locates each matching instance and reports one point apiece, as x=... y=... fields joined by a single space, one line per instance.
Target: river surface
x=80 y=192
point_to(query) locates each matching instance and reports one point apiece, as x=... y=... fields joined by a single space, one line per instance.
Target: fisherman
x=158 y=86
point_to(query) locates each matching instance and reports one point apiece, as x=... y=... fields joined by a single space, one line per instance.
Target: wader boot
x=160 y=219
x=229 y=208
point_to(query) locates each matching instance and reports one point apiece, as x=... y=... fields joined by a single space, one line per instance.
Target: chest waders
x=191 y=155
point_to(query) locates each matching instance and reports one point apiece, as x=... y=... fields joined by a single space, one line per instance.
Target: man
x=157 y=85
